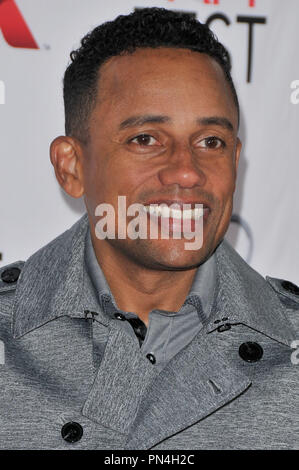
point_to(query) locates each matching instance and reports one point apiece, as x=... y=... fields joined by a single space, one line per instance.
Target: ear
x=66 y=157
x=238 y=152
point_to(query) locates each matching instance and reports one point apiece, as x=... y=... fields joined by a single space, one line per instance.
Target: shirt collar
x=54 y=282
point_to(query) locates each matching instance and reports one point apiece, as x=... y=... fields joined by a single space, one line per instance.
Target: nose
x=182 y=169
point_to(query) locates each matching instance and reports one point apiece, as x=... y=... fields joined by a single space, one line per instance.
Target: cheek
x=130 y=176
x=222 y=186
x=108 y=179
x=225 y=190
x=95 y=183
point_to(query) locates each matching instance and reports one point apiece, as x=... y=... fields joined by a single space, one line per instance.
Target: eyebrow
x=144 y=119
x=160 y=119
x=216 y=120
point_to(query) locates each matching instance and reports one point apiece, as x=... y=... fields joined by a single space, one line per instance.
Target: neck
x=139 y=289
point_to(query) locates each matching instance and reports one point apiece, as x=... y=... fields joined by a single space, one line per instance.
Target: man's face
x=164 y=128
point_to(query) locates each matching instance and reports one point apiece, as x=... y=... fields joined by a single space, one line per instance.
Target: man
x=139 y=343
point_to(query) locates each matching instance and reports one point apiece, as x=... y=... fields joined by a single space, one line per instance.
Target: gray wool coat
x=58 y=367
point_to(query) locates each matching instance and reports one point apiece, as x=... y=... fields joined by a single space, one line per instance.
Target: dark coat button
x=290 y=287
x=250 y=351
x=119 y=316
x=72 y=432
x=224 y=327
x=139 y=328
x=10 y=275
x=151 y=358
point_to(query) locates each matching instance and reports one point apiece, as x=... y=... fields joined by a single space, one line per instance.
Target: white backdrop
x=33 y=208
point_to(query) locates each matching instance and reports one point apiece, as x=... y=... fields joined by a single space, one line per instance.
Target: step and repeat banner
x=262 y=36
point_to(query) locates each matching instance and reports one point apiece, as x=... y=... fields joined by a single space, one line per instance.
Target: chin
x=162 y=254
x=176 y=257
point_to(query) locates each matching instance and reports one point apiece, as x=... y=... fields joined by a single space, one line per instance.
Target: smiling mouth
x=177 y=210
x=177 y=219
x=166 y=212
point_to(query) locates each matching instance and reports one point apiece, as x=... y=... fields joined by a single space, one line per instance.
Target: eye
x=145 y=140
x=212 y=142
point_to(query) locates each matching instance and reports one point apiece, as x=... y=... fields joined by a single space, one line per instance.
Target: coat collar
x=245 y=297
x=54 y=282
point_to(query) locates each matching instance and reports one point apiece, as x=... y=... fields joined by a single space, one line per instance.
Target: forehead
x=157 y=77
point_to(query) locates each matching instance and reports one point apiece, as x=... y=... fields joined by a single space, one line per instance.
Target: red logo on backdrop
x=14 y=27
x=251 y=3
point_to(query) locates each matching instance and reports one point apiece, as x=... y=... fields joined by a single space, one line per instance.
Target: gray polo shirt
x=167 y=332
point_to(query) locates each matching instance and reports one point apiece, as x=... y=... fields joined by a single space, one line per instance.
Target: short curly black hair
x=146 y=27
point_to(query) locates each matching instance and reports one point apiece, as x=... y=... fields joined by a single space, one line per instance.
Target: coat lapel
x=195 y=383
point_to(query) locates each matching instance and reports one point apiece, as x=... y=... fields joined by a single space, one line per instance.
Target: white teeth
x=177 y=213
x=167 y=212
